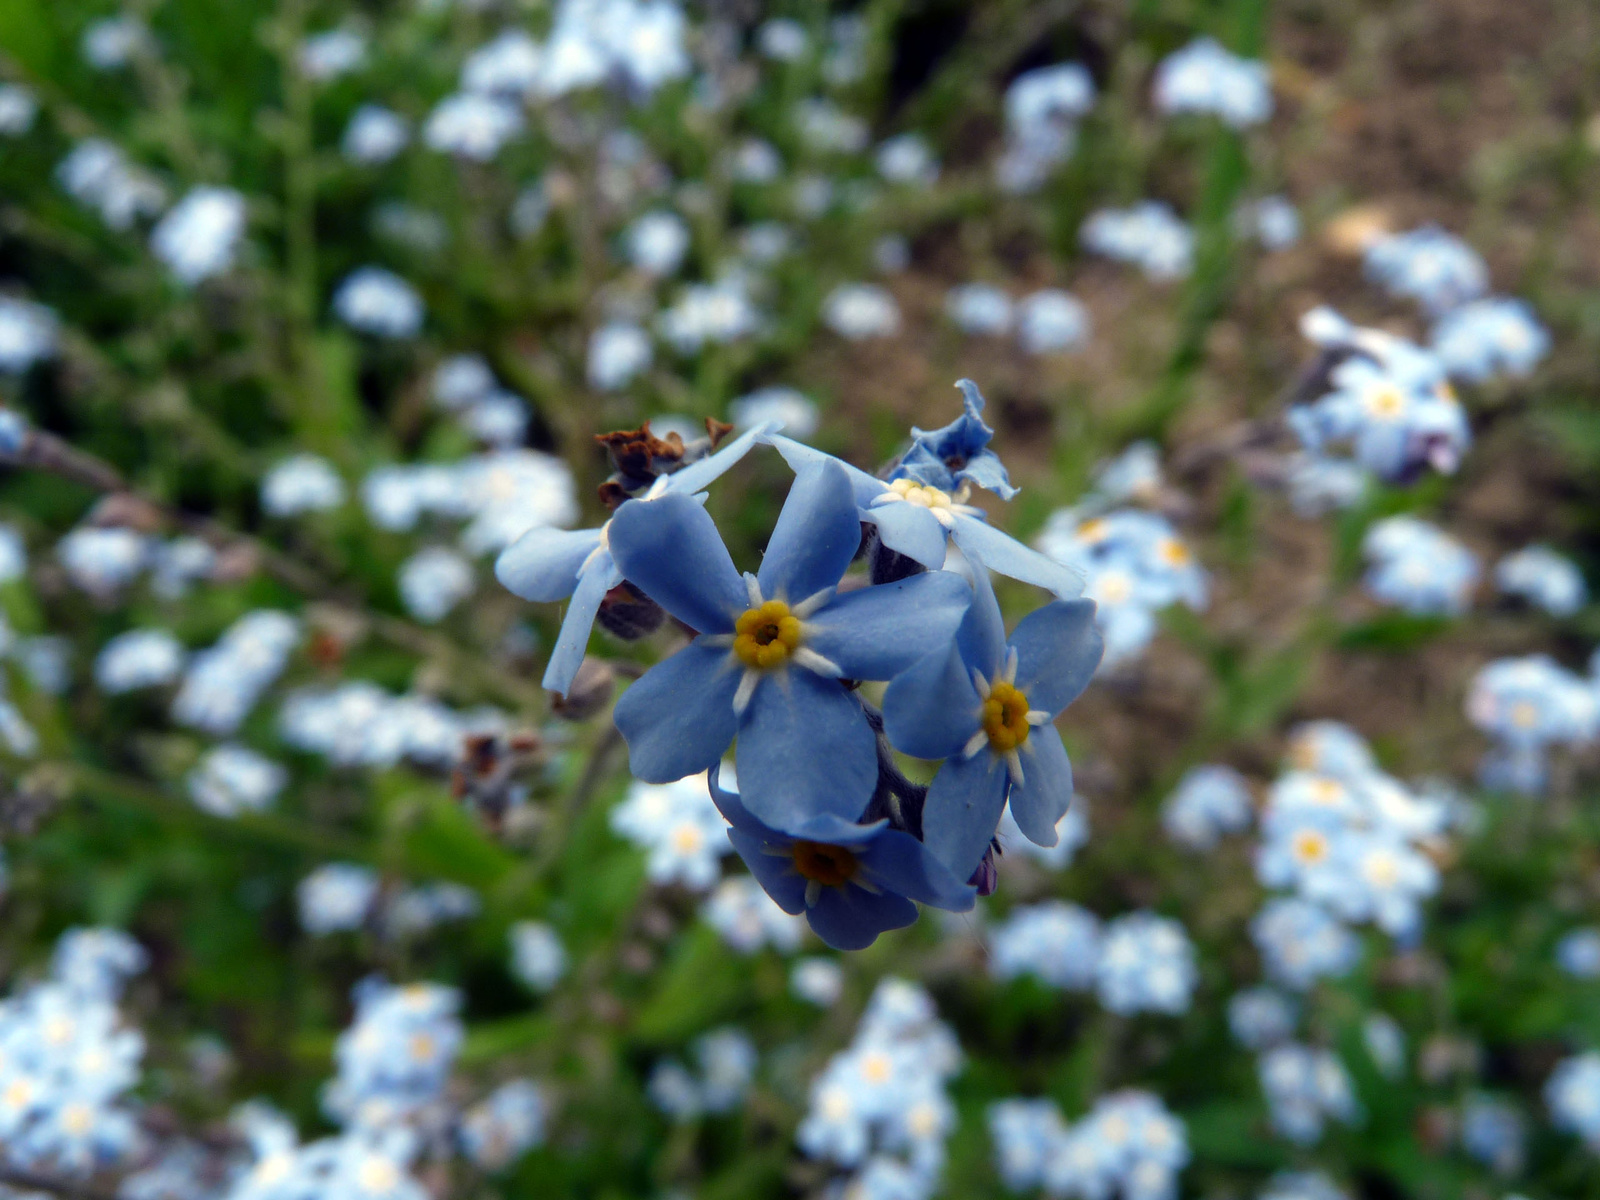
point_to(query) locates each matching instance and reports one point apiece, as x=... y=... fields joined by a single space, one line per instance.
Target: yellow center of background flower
x=1005 y=718
x=830 y=866
x=765 y=637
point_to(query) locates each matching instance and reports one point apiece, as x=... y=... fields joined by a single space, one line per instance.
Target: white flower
x=197 y=239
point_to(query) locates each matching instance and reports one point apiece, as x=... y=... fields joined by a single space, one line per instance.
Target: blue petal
x=805 y=750
x=982 y=636
x=775 y=873
x=817 y=534
x=911 y=530
x=963 y=810
x=1058 y=651
x=849 y=918
x=899 y=863
x=877 y=632
x=1001 y=552
x=798 y=455
x=670 y=549
x=699 y=474
x=542 y=565
x=988 y=472
x=930 y=710
x=678 y=718
x=729 y=805
x=599 y=578
x=1045 y=793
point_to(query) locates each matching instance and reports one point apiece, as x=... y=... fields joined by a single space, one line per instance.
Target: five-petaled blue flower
x=773 y=649
x=548 y=565
x=985 y=706
x=853 y=882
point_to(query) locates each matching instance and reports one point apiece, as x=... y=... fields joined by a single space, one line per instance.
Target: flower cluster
x=825 y=821
x=69 y=1059
x=1128 y=1145
x=1527 y=705
x=879 y=1108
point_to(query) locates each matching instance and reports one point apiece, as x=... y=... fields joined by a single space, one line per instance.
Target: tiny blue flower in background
x=1527 y=705
x=1128 y=1144
x=1494 y=1133
x=1435 y=268
x=18 y=108
x=818 y=981
x=375 y=135
x=1484 y=338
x=1148 y=235
x=1051 y=321
x=1209 y=802
x=224 y=682
x=783 y=40
x=852 y=882
x=727 y=1059
x=301 y=483
x=113 y=42
x=378 y=302
x=507 y=65
x=326 y=56
x=907 y=158
x=1301 y=943
x=1147 y=964
x=680 y=827
x=1391 y=401
x=433 y=581
x=198 y=237
x=505 y=1125
x=618 y=351
x=1319 y=484
x=139 y=658
x=1302 y=1185
x=336 y=897
x=28 y=334
x=1578 y=953
x=1542 y=577
x=1205 y=78
x=1419 y=568
x=394 y=1060
x=1043 y=107
x=709 y=314
x=1304 y=1087
x=1573 y=1095
x=1385 y=1044
x=471 y=126
x=538 y=959
x=776 y=408
x=861 y=310
x=987 y=707
x=1260 y=1017
x=657 y=243
x=232 y=779
x=102 y=561
x=1056 y=942
x=673 y=1089
x=979 y=308
x=1271 y=220
x=99 y=176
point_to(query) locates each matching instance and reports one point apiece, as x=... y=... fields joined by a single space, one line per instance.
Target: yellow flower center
x=1386 y=401
x=765 y=637
x=831 y=866
x=1092 y=530
x=1311 y=847
x=1524 y=714
x=1173 y=552
x=920 y=494
x=1005 y=717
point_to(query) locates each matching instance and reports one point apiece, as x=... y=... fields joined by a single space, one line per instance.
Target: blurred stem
x=300 y=215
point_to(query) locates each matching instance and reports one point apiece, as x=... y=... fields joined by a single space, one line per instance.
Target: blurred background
x=1287 y=317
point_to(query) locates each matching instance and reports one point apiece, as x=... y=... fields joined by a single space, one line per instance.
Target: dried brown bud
x=717 y=430
x=629 y=614
x=639 y=456
x=590 y=691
